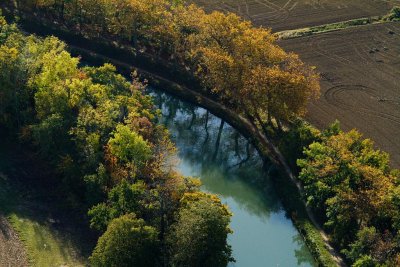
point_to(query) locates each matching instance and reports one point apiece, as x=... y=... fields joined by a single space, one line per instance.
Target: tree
x=129 y=147
x=352 y=188
x=14 y=96
x=199 y=237
x=128 y=242
x=374 y=248
x=8 y=91
x=244 y=68
x=100 y=135
x=278 y=93
x=123 y=199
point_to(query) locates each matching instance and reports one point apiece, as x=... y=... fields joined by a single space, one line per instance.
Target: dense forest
x=116 y=159
x=354 y=191
x=236 y=63
x=100 y=133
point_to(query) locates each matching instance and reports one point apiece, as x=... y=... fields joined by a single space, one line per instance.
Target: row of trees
x=352 y=188
x=101 y=135
x=349 y=184
x=238 y=64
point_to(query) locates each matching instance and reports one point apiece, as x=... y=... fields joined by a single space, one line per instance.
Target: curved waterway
x=230 y=167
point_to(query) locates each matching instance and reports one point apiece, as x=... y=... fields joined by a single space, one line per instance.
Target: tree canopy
x=128 y=241
x=236 y=63
x=199 y=236
x=100 y=134
x=354 y=190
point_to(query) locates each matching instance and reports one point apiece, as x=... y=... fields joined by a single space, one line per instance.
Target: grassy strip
x=394 y=15
x=45 y=246
x=292 y=203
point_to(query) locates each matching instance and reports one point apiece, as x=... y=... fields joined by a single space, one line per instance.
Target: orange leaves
x=350 y=183
x=227 y=54
x=243 y=66
x=280 y=93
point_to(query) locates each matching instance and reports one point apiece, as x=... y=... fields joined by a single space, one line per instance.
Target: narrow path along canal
x=230 y=167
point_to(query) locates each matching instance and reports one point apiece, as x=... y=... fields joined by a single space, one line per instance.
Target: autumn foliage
x=100 y=135
x=238 y=64
x=353 y=189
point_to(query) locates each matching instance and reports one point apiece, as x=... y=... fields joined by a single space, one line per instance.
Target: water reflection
x=229 y=166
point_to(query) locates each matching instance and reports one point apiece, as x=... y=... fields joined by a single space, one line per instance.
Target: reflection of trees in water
x=227 y=163
x=301 y=252
x=201 y=133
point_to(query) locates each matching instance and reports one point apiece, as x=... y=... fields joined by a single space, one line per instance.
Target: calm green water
x=229 y=167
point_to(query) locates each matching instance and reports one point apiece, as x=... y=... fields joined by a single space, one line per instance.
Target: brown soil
x=12 y=252
x=294 y=14
x=360 y=69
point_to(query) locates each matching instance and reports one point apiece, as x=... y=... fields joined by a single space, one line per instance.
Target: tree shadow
x=29 y=190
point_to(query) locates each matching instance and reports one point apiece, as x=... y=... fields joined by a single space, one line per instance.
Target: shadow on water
x=229 y=166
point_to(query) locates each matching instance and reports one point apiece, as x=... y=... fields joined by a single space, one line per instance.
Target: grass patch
x=44 y=246
x=327 y=27
x=46 y=242
x=393 y=15
x=292 y=202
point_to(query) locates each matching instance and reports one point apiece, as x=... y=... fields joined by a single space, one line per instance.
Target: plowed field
x=360 y=70
x=294 y=14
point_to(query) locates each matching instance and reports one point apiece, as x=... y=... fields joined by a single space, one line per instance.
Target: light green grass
x=44 y=247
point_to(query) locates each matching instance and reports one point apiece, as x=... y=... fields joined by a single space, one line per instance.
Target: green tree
x=129 y=146
x=352 y=188
x=128 y=242
x=199 y=237
x=366 y=239
x=123 y=199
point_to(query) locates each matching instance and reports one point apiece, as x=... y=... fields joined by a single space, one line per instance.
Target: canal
x=230 y=167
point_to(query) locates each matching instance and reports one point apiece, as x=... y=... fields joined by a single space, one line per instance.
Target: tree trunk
x=206 y=127
x=193 y=118
x=217 y=143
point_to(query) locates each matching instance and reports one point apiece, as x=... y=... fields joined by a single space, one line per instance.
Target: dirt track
x=360 y=70
x=12 y=252
x=294 y=14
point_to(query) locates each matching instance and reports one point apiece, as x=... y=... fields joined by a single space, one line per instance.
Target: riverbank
x=289 y=187
x=229 y=166
x=160 y=76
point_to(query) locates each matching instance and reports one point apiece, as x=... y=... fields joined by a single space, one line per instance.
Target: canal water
x=230 y=167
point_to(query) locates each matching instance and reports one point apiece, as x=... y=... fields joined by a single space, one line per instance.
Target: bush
x=127 y=242
x=394 y=14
